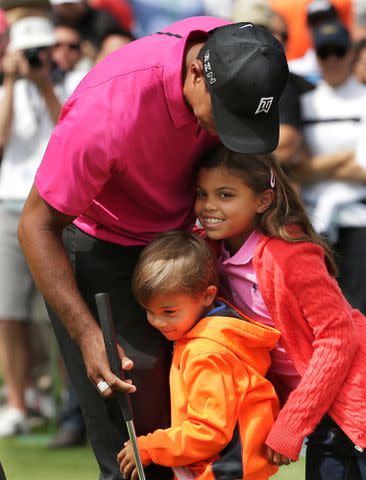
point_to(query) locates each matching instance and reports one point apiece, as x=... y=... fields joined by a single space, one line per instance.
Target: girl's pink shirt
x=240 y=286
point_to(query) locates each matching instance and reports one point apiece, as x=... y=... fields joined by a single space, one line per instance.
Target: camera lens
x=32 y=55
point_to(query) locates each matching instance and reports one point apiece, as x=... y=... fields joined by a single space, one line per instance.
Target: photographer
x=29 y=108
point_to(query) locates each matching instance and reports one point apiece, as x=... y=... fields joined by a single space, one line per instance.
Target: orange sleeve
x=316 y=301
x=211 y=416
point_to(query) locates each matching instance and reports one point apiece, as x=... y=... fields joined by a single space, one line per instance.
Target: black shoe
x=67 y=439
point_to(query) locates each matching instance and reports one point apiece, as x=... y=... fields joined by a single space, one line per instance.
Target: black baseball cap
x=246 y=72
x=331 y=34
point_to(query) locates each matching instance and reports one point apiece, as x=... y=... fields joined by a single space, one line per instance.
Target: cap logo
x=329 y=29
x=245 y=26
x=208 y=68
x=264 y=105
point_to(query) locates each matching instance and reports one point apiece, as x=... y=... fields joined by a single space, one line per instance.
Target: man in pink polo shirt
x=120 y=168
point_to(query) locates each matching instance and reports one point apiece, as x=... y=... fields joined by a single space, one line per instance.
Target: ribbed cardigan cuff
x=285 y=439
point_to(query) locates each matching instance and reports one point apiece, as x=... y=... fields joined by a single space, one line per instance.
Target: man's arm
x=40 y=236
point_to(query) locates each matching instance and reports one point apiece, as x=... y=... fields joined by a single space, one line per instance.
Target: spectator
x=67 y=53
x=359 y=64
x=260 y=13
x=3 y=41
x=72 y=430
x=92 y=24
x=18 y=9
x=332 y=114
x=317 y=12
x=112 y=40
x=120 y=9
x=76 y=10
x=359 y=26
x=30 y=107
x=295 y=12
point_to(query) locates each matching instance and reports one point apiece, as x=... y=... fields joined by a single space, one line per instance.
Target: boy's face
x=174 y=314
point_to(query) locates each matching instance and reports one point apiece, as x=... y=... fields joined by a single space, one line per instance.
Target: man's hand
x=276 y=458
x=97 y=366
x=126 y=461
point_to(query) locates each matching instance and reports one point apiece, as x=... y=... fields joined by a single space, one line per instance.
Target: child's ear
x=265 y=200
x=209 y=295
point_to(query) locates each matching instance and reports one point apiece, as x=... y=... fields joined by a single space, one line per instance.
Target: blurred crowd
x=46 y=47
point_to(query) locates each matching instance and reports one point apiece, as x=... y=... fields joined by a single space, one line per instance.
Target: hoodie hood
x=245 y=338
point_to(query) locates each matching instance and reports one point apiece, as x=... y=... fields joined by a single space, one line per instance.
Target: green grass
x=26 y=457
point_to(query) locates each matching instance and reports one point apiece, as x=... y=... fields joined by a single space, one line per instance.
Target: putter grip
x=106 y=323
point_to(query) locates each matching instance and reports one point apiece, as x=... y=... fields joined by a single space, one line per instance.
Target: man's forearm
x=40 y=235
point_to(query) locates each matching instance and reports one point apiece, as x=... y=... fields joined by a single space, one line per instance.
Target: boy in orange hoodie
x=222 y=406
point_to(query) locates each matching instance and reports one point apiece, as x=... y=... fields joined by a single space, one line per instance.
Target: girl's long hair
x=286 y=217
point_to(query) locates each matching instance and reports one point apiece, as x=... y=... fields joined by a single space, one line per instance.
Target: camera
x=32 y=56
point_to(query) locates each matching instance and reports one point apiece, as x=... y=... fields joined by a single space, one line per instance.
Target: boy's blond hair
x=175 y=262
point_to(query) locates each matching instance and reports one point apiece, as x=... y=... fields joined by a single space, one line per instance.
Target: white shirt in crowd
x=332 y=123
x=31 y=129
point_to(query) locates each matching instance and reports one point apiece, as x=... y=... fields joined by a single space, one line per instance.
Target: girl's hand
x=126 y=461
x=276 y=458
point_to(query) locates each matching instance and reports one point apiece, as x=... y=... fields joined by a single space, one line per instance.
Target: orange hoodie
x=222 y=407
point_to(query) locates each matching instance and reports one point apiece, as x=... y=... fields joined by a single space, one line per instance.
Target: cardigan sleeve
x=211 y=416
x=313 y=300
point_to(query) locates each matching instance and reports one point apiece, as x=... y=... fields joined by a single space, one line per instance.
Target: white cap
x=31 y=32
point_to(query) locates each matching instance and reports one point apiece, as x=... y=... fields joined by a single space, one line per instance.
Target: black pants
x=105 y=267
x=351 y=253
x=331 y=455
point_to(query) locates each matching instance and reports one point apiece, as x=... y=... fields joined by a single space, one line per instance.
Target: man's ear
x=196 y=71
x=209 y=295
x=265 y=200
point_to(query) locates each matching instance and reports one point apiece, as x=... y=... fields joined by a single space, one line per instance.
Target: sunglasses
x=325 y=52
x=70 y=45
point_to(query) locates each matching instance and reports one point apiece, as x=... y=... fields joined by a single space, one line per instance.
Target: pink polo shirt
x=240 y=285
x=122 y=156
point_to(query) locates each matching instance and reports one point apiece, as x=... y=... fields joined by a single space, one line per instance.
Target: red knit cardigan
x=325 y=338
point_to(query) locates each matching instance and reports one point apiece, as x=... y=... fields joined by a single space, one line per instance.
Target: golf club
x=107 y=325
